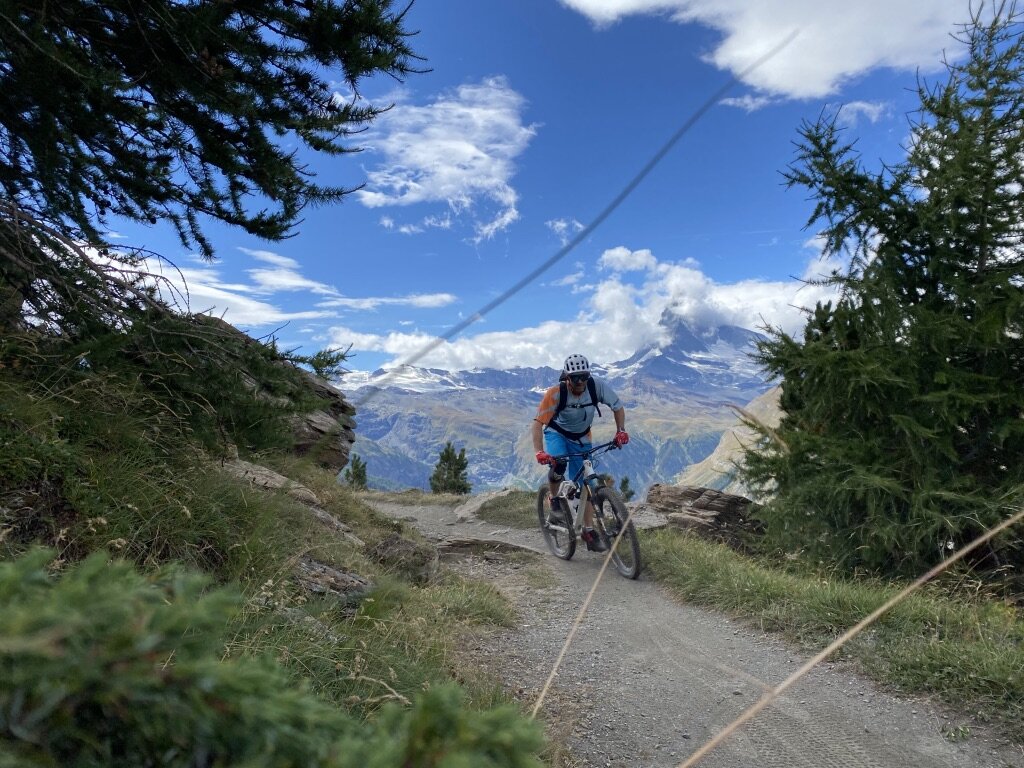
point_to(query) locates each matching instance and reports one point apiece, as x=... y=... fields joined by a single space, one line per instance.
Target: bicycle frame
x=580 y=483
x=612 y=520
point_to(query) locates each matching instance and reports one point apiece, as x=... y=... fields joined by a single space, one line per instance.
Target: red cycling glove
x=543 y=457
x=621 y=438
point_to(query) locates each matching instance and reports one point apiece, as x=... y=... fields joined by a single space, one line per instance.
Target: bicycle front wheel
x=613 y=516
x=560 y=538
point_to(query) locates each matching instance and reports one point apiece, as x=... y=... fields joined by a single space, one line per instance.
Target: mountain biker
x=562 y=426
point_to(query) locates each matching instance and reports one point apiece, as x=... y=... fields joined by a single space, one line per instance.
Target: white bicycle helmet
x=576 y=364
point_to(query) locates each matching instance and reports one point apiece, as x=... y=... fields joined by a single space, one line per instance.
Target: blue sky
x=533 y=117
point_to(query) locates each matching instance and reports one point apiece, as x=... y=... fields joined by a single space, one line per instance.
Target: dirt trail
x=649 y=679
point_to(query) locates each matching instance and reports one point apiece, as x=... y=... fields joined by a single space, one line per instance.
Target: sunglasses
x=579 y=379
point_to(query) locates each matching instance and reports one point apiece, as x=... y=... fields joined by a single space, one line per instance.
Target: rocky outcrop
x=709 y=513
x=322 y=579
x=326 y=434
x=268 y=479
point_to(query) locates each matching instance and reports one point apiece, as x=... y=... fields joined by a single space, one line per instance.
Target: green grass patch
x=969 y=652
x=516 y=509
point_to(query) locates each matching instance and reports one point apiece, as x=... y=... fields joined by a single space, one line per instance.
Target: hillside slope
x=718 y=470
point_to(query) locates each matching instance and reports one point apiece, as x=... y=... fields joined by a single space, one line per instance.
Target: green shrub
x=103 y=666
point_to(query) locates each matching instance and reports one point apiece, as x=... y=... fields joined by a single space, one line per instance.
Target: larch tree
x=903 y=401
x=167 y=110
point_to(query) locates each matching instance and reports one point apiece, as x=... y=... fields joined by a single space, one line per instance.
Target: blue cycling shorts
x=558 y=444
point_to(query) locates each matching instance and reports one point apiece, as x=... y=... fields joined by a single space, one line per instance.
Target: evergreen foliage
x=105 y=667
x=182 y=112
x=355 y=474
x=625 y=490
x=903 y=434
x=170 y=110
x=450 y=472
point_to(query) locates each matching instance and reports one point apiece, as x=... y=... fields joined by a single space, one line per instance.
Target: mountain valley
x=677 y=395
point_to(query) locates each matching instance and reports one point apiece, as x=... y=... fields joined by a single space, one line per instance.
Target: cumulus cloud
x=459 y=151
x=836 y=40
x=621 y=259
x=617 y=317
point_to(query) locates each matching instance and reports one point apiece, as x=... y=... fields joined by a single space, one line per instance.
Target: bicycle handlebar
x=610 y=445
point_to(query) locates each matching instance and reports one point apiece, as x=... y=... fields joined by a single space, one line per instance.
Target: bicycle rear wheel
x=562 y=543
x=612 y=516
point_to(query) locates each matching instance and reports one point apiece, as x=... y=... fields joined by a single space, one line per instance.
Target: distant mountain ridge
x=676 y=393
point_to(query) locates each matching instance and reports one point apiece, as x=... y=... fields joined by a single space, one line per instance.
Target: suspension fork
x=585 y=493
x=584 y=498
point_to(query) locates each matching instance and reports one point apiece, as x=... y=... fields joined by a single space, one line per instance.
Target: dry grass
x=416 y=497
x=517 y=509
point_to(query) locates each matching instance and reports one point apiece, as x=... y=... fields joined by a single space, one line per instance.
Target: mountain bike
x=611 y=518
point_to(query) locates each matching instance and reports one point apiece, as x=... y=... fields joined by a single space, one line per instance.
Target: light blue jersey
x=579 y=412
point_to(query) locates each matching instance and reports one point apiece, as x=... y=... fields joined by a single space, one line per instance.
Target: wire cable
x=582 y=235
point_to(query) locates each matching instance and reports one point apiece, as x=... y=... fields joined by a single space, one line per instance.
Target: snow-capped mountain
x=675 y=392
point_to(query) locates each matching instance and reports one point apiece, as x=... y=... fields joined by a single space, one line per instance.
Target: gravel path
x=650 y=679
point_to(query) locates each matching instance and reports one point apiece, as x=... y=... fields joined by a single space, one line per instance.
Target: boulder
x=418 y=562
x=321 y=579
x=262 y=477
x=711 y=514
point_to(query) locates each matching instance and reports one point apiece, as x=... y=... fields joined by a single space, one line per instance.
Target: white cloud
x=851 y=112
x=836 y=39
x=564 y=229
x=201 y=289
x=420 y=300
x=276 y=280
x=438 y=222
x=621 y=259
x=270 y=257
x=616 y=318
x=572 y=279
x=285 y=276
x=749 y=102
x=460 y=151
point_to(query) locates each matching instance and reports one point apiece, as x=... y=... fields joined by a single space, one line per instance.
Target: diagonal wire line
x=562 y=252
x=579 y=617
x=839 y=642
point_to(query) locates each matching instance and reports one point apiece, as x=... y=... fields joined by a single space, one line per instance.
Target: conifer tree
x=355 y=475
x=902 y=434
x=183 y=112
x=450 y=472
x=625 y=490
